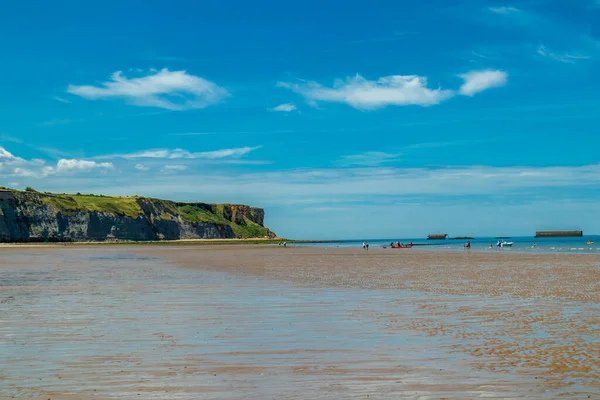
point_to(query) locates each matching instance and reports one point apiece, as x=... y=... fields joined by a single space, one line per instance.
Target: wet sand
x=269 y=322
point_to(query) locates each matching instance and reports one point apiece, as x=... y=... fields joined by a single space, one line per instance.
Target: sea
x=576 y=245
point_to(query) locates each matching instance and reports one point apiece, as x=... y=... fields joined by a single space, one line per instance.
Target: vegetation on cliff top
x=130 y=207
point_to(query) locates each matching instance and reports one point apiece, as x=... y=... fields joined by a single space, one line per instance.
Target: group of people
x=399 y=244
x=365 y=246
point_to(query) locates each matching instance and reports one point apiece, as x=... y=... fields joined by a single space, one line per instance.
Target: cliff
x=32 y=217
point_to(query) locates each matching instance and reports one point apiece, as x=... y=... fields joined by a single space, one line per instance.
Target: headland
x=31 y=216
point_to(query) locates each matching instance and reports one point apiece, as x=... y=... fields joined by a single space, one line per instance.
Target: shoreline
x=224 y=244
x=180 y=242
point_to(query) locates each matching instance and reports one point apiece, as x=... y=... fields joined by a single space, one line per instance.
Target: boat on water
x=589 y=242
x=504 y=244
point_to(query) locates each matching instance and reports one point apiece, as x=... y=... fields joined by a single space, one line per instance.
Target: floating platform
x=437 y=236
x=543 y=234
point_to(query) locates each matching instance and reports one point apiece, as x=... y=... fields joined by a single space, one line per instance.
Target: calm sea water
x=521 y=244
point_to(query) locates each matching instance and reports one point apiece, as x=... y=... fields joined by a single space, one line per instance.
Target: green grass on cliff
x=125 y=206
x=129 y=206
x=194 y=214
x=248 y=229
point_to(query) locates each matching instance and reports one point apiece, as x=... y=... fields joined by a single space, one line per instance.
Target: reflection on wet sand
x=155 y=322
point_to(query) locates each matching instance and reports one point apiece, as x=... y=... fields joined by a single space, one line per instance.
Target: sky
x=343 y=119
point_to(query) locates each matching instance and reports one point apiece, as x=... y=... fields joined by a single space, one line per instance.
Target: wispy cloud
x=61 y=100
x=367 y=159
x=571 y=37
x=478 y=81
x=395 y=154
x=287 y=107
x=141 y=167
x=363 y=94
x=62 y=121
x=398 y=90
x=261 y=132
x=54 y=153
x=319 y=186
x=192 y=133
x=8 y=138
x=174 y=168
x=223 y=153
x=504 y=10
x=396 y=35
x=561 y=57
x=170 y=90
x=171 y=154
x=171 y=59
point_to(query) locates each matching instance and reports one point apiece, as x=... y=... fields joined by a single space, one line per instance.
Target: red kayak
x=409 y=246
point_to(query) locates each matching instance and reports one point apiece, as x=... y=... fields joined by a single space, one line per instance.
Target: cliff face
x=32 y=216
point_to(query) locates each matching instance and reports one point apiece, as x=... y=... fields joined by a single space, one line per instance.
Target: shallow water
x=522 y=244
x=106 y=323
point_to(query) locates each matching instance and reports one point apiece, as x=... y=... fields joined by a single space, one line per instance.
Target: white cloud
x=363 y=94
x=73 y=165
x=562 y=57
x=11 y=165
x=141 y=167
x=368 y=159
x=478 y=81
x=287 y=107
x=170 y=90
x=399 y=90
x=44 y=172
x=504 y=10
x=24 y=173
x=174 y=168
x=6 y=157
x=61 y=100
x=223 y=153
x=186 y=154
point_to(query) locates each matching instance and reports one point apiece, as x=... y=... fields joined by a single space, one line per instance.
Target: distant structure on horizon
x=542 y=234
x=437 y=236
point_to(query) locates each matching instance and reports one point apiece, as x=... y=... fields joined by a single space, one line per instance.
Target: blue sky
x=343 y=119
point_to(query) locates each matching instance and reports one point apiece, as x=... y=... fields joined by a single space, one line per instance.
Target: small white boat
x=506 y=244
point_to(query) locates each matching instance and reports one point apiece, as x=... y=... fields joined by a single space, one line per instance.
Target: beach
x=263 y=321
